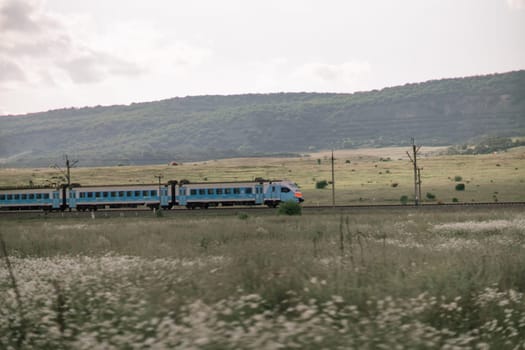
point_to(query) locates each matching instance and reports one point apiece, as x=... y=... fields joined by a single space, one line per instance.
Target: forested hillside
x=441 y=112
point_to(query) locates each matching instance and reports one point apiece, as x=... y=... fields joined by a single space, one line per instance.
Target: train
x=166 y=196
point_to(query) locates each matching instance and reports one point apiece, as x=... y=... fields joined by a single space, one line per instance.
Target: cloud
x=17 y=16
x=10 y=71
x=516 y=4
x=93 y=66
x=42 y=48
x=38 y=47
x=153 y=50
x=338 y=74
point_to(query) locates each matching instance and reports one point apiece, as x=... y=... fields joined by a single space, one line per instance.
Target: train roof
x=231 y=182
x=26 y=188
x=76 y=185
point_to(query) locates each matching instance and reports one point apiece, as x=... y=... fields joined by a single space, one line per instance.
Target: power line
x=333 y=180
x=67 y=172
x=417 y=172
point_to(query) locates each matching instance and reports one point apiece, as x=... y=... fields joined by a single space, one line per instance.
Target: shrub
x=242 y=216
x=458 y=178
x=460 y=187
x=455 y=200
x=321 y=184
x=431 y=196
x=403 y=199
x=290 y=208
x=394 y=184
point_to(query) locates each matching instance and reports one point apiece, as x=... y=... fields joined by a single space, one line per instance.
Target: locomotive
x=154 y=196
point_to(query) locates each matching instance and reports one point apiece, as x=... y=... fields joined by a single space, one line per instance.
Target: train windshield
x=292 y=186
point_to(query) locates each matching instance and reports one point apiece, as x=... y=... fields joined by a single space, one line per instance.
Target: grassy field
x=368 y=280
x=362 y=176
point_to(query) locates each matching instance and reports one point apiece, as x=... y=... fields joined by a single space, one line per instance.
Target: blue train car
x=204 y=195
x=119 y=196
x=32 y=199
x=154 y=196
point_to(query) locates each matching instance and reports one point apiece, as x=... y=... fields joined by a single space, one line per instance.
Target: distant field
x=380 y=175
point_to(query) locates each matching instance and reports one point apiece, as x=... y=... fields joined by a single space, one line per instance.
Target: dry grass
x=399 y=279
x=365 y=179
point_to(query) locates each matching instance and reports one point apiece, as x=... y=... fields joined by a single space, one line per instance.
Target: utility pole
x=333 y=180
x=67 y=172
x=419 y=181
x=413 y=159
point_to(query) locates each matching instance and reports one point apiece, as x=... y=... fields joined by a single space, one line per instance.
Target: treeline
x=441 y=112
x=486 y=146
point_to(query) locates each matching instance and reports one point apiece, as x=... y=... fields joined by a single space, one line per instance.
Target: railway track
x=259 y=210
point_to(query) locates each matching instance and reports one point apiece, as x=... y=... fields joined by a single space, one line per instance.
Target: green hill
x=441 y=112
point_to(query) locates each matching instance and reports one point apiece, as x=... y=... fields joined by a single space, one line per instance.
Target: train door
x=72 y=199
x=276 y=192
x=272 y=195
x=259 y=195
x=55 y=199
x=164 y=197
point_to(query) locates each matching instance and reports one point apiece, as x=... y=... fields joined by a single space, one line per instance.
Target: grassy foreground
x=362 y=176
x=373 y=280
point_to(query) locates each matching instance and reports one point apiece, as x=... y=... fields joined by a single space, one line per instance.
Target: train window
x=46 y=195
x=210 y=191
x=153 y=193
x=227 y=191
x=16 y=197
x=145 y=193
x=236 y=190
x=273 y=188
x=182 y=192
x=121 y=194
x=90 y=194
x=31 y=196
x=202 y=191
x=285 y=189
x=9 y=197
x=97 y=194
x=105 y=194
x=2 y=197
x=248 y=190
x=81 y=195
x=23 y=196
x=218 y=191
x=129 y=194
x=39 y=196
x=137 y=193
x=113 y=194
x=193 y=192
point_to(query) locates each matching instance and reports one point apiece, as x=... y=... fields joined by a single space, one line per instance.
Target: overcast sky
x=63 y=53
